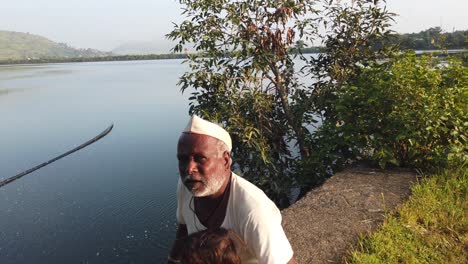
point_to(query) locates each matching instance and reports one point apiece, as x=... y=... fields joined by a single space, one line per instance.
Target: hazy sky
x=105 y=24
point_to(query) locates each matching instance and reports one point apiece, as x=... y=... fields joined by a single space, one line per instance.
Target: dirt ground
x=324 y=225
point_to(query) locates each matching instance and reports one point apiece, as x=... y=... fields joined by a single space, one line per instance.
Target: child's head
x=212 y=246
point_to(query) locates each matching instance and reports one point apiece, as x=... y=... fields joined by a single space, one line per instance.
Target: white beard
x=211 y=187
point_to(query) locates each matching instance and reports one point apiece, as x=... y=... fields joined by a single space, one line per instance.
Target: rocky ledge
x=325 y=224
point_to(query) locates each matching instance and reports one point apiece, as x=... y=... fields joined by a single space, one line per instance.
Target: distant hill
x=25 y=46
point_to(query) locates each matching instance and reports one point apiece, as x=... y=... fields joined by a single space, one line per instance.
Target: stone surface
x=324 y=225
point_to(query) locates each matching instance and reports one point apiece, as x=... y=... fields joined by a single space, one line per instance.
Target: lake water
x=112 y=202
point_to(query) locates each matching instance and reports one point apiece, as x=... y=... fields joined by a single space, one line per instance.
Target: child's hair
x=211 y=246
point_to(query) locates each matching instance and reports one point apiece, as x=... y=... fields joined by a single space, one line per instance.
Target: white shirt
x=252 y=215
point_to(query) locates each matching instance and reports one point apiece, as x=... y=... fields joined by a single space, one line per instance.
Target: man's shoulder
x=243 y=187
x=249 y=196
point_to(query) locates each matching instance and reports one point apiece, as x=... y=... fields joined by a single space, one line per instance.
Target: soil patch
x=326 y=223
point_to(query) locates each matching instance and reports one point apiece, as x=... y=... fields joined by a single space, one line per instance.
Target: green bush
x=408 y=111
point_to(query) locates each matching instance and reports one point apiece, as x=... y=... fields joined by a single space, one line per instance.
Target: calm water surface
x=112 y=202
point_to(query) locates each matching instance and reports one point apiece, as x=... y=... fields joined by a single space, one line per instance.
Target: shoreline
x=165 y=57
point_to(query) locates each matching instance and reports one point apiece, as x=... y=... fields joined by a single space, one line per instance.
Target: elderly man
x=209 y=195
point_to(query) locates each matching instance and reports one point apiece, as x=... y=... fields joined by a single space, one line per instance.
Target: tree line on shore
x=431 y=39
x=100 y=58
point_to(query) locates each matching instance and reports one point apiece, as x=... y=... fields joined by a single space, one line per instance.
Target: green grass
x=430 y=228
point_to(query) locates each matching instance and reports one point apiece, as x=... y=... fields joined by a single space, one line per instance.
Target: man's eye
x=182 y=158
x=200 y=158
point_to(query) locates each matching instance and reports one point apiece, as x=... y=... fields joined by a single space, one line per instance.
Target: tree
x=243 y=75
x=431 y=38
x=354 y=38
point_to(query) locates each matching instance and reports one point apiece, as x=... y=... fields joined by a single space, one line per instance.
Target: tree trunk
x=293 y=122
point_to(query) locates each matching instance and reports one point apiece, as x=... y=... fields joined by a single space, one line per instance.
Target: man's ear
x=227 y=160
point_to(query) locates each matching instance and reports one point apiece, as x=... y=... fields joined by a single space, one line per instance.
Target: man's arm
x=291 y=261
x=181 y=232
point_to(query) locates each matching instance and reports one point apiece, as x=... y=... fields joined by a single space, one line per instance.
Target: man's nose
x=191 y=166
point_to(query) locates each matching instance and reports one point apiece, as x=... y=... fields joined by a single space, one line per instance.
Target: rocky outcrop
x=326 y=223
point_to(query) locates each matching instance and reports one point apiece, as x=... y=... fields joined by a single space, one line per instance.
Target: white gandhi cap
x=198 y=125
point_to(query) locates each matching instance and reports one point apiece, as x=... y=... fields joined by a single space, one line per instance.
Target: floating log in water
x=87 y=143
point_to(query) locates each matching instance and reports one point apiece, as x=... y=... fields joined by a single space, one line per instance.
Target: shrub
x=409 y=111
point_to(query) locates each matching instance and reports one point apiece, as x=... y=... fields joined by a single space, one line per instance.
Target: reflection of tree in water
x=4 y=91
x=33 y=71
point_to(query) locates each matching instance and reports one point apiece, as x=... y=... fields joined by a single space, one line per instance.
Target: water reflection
x=9 y=91
x=31 y=71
